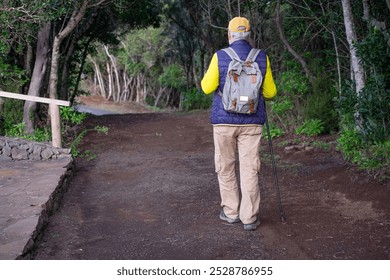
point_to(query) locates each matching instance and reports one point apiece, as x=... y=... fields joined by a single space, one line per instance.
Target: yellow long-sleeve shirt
x=210 y=81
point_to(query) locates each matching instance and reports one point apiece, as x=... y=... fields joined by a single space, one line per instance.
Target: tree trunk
x=64 y=77
x=139 y=90
x=357 y=68
x=160 y=93
x=113 y=72
x=74 y=20
x=83 y=58
x=337 y=62
x=278 y=22
x=37 y=77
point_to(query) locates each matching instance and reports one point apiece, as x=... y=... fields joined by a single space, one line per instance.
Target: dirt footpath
x=151 y=193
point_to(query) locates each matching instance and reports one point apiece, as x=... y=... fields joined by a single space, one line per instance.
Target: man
x=234 y=131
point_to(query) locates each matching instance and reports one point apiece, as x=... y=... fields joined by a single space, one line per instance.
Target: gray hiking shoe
x=223 y=217
x=252 y=226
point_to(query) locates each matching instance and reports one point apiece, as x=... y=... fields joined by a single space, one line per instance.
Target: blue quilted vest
x=218 y=114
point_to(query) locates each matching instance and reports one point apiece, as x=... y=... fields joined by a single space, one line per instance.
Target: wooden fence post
x=55 y=122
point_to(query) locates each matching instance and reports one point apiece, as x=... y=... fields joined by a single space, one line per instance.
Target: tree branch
x=287 y=44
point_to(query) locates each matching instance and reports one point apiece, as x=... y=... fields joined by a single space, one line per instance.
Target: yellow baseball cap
x=239 y=24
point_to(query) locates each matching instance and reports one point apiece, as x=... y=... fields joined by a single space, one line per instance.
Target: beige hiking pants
x=245 y=140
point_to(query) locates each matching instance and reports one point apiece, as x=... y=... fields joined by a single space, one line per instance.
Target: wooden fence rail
x=54 y=112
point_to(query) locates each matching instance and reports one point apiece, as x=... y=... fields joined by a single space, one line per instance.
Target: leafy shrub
x=320 y=103
x=292 y=87
x=39 y=135
x=273 y=131
x=16 y=130
x=312 y=127
x=71 y=124
x=283 y=113
x=364 y=118
x=373 y=102
x=293 y=82
x=173 y=77
x=365 y=155
x=196 y=99
x=12 y=115
x=373 y=105
x=70 y=115
x=350 y=144
x=282 y=106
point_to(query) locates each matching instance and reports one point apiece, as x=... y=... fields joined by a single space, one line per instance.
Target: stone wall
x=12 y=149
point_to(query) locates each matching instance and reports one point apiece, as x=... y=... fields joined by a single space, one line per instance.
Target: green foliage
x=284 y=112
x=14 y=126
x=173 y=77
x=12 y=114
x=293 y=82
x=351 y=144
x=282 y=106
x=287 y=107
x=311 y=127
x=273 y=131
x=68 y=114
x=373 y=105
x=17 y=130
x=39 y=135
x=196 y=99
x=366 y=155
x=365 y=141
x=320 y=103
x=142 y=50
x=373 y=102
x=374 y=52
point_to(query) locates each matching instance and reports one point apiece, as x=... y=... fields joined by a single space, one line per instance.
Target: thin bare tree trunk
x=337 y=62
x=110 y=82
x=140 y=91
x=99 y=79
x=132 y=86
x=125 y=90
x=357 y=68
x=37 y=78
x=84 y=57
x=160 y=93
x=115 y=78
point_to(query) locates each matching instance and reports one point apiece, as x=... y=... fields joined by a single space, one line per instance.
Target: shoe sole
x=252 y=226
x=229 y=220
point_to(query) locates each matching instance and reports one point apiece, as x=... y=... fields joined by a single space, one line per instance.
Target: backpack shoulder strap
x=252 y=55
x=231 y=53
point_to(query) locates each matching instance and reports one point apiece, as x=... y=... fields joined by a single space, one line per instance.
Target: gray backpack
x=243 y=82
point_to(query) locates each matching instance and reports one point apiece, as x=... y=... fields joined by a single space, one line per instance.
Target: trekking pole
x=281 y=211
